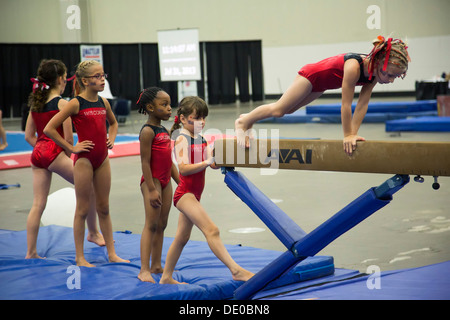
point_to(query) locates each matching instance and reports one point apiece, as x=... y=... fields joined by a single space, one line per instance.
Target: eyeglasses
x=99 y=76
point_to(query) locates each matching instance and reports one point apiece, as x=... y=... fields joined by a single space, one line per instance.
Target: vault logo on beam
x=288 y=155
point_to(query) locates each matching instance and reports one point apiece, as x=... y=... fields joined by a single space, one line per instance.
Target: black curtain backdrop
x=19 y=63
x=226 y=62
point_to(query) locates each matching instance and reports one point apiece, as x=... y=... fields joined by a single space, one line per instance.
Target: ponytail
x=47 y=75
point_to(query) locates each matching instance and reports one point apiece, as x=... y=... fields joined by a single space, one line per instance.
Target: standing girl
x=157 y=169
x=92 y=171
x=194 y=156
x=47 y=157
x=387 y=61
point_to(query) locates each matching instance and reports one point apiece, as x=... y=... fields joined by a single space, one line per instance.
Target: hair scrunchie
x=36 y=83
x=177 y=120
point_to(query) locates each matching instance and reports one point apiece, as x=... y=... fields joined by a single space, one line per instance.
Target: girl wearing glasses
x=92 y=171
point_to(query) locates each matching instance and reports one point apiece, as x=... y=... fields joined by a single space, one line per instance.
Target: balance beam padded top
x=417 y=158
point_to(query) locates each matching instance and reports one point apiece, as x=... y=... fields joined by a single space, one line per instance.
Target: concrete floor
x=412 y=231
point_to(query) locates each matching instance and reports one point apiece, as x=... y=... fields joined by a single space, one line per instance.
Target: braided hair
x=145 y=97
x=394 y=52
x=82 y=72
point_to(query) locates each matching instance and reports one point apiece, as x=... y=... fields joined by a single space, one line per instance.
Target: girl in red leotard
x=92 y=171
x=157 y=170
x=47 y=157
x=193 y=157
x=387 y=61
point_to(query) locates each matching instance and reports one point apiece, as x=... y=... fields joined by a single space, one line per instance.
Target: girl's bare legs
x=62 y=165
x=158 y=238
x=194 y=213
x=102 y=187
x=94 y=234
x=41 y=185
x=83 y=176
x=181 y=238
x=297 y=95
x=148 y=233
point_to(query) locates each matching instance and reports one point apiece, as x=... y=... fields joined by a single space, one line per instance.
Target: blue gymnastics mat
x=209 y=279
x=48 y=278
x=424 y=283
x=430 y=124
x=378 y=112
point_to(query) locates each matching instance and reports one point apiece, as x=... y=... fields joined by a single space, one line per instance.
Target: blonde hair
x=391 y=51
x=82 y=72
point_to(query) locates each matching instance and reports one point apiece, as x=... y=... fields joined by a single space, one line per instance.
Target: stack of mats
x=378 y=112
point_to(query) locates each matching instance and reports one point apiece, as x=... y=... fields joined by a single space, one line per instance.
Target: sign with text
x=179 y=56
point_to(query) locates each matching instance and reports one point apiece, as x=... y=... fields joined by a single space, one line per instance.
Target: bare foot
x=146 y=276
x=83 y=263
x=96 y=238
x=33 y=256
x=170 y=280
x=242 y=275
x=116 y=258
x=3 y=146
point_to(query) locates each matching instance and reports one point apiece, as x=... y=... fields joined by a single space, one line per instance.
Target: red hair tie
x=177 y=120
x=388 y=52
x=36 y=83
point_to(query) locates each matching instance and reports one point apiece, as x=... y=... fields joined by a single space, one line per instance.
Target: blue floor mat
x=52 y=278
x=424 y=124
x=378 y=112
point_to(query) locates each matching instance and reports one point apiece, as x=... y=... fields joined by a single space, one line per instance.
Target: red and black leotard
x=193 y=183
x=90 y=124
x=327 y=74
x=161 y=160
x=45 y=150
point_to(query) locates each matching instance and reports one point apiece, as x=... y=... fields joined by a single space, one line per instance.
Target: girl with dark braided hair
x=157 y=170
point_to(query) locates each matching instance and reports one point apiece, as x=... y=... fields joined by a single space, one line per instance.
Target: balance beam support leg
x=282 y=226
x=358 y=210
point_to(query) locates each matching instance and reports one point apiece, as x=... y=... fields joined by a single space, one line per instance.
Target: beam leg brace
x=282 y=226
x=310 y=244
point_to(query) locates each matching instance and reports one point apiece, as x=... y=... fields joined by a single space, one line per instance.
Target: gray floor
x=413 y=230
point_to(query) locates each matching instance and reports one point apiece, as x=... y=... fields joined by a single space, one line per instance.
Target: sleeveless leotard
x=327 y=74
x=161 y=160
x=45 y=150
x=90 y=124
x=193 y=183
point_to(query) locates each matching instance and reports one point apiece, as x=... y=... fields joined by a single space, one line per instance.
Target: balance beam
x=416 y=158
